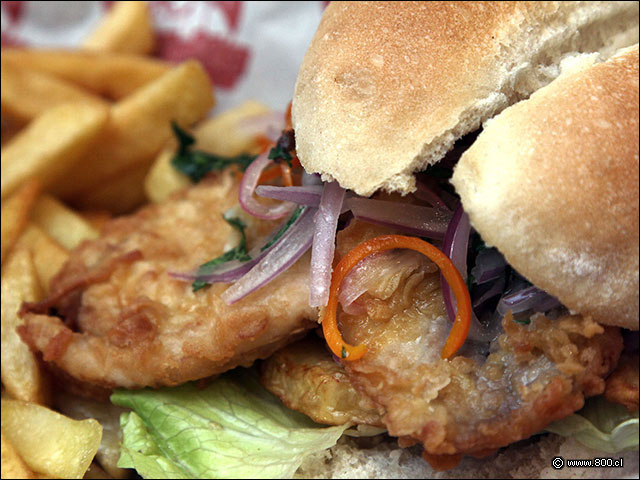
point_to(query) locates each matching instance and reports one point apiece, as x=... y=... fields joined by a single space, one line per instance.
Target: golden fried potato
x=121 y=195
x=114 y=75
x=127 y=28
x=222 y=135
x=49 y=442
x=21 y=374
x=305 y=377
x=139 y=127
x=15 y=215
x=51 y=144
x=27 y=94
x=109 y=417
x=12 y=464
x=48 y=255
x=64 y=225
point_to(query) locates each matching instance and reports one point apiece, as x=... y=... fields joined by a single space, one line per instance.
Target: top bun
x=387 y=87
x=552 y=182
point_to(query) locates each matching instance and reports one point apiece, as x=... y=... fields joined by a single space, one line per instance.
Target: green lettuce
x=601 y=425
x=233 y=428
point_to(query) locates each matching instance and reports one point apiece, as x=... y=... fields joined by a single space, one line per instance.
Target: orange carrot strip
x=462 y=321
x=286 y=175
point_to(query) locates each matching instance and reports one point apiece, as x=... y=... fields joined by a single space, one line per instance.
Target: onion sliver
x=413 y=219
x=324 y=243
x=454 y=246
x=309 y=195
x=424 y=192
x=247 y=186
x=291 y=246
x=490 y=265
x=529 y=298
x=231 y=271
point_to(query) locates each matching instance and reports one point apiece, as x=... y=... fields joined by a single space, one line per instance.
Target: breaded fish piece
x=116 y=318
x=485 y=397
x=623 y=384
x=307 y=379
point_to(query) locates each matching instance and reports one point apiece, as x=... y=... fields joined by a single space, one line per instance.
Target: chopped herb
x=196 y=164
x=277 y=153
x=522 y=320
x=238 y=253
x=344 y=352
x=294 y=216
x=284 y=146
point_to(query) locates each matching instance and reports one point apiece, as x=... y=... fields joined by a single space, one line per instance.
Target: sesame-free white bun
x=552 y=182
x=387 y=87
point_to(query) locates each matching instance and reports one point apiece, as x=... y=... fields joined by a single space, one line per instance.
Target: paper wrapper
x=252 y=50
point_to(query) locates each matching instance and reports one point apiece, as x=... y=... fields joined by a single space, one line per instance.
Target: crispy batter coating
x=487 y=396
x=622 y=385
x=307 y=379
x=128 y=323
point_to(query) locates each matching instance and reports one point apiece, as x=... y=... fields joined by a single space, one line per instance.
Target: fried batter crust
x=306 y=378
x=481 y=399
x=128 y=323
x=622 y=385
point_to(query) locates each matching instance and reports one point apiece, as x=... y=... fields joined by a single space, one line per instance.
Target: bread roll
x=552 y=182
x=387 y=87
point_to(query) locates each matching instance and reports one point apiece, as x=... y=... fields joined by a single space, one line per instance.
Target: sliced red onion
x=307 y=195
x=231 y=271
x=414 y=219
x=429 y=195
x=324 y=242
x=248 y=185
x=529 y=298
x=490 y=291
x=269 y=124
x=490 y=264
x=291 y=246
x=454 y=246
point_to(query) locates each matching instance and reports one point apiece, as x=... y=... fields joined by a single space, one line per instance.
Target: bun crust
x=552 y=182
x=387 y=87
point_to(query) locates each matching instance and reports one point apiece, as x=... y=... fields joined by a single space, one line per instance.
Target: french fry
x=127 y=28
x=114 y=75
x=29 y=93
x=121 y=195
x=48 y=255
x=222 y=135
x=51 y=144
x=49 y=442
x=15 y=215
x=96 y=218
x=64 y=225
x=21 y=374
x=138 y=128
x=12 y=464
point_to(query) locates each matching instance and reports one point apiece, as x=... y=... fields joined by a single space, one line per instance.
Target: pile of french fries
x=86 y=135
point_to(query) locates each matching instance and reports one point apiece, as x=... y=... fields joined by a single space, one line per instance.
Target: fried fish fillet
x=116 y=318
x=307 y=379
x=485 y=397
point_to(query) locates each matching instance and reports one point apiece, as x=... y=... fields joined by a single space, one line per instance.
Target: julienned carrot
x=462 y=321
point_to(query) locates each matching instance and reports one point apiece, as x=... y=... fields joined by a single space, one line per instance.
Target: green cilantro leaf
x=196 y=163
x=237 y=253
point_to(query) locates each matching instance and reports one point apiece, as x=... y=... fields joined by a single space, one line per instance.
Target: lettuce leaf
x=601 y=425
x=233 y=428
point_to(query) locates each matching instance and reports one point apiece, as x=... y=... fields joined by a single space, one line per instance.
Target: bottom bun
x=532 y=458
